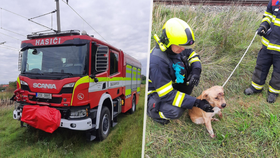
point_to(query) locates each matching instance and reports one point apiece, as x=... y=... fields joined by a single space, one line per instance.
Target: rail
x=215 y=2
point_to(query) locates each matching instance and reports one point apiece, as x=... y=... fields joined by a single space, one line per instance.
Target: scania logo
x=44 y=85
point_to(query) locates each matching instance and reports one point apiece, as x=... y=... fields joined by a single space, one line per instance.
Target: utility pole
x=58 y=16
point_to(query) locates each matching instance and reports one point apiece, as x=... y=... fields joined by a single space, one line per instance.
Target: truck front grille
x=56 y=100
x=25 y=87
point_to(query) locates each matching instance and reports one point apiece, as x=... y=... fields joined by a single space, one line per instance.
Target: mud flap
x=41 y=117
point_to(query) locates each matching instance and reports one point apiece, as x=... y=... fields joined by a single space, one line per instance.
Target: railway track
x=215 y=2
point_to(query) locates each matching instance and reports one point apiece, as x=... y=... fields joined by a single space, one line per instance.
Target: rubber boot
x=161 y=121
x=271 y=97
x=251 y=90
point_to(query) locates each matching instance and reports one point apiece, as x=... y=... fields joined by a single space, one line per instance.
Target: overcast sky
x=124 y=24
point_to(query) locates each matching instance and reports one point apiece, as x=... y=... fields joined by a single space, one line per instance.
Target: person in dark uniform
x=174 y=70
x=269 y=54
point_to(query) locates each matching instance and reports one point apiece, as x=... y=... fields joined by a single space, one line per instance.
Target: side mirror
x=101 y=59
x=92 y=76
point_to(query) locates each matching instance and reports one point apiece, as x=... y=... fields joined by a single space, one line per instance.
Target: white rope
x=240 y=59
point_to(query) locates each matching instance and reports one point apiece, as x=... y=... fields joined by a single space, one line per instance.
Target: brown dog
x=215 y=96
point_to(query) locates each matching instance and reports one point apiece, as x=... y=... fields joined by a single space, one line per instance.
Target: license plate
x=44 y=95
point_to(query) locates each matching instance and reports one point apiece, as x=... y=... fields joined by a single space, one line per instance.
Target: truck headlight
x=69 y=85
x=78 y=113
x=23 y=83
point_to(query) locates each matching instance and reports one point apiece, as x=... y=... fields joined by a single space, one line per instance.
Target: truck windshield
x=55 y=60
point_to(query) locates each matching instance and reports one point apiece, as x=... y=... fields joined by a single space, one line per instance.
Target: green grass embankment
x=124 y=140
x=250 y=127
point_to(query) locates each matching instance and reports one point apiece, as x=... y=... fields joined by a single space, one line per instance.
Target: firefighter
x=174 y=70
x=269 y=54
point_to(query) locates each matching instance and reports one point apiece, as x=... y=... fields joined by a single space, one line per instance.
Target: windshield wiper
x=36 y=73
x=61 y=73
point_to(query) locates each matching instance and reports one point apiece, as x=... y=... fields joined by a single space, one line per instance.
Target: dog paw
x=212 y=135
x=215 y=119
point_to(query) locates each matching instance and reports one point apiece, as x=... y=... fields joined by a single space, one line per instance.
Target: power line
x=85 y=21
x=10 y=36
x=29 y=19
x=41 y=25
x=12 y=31
x=43 y=14
x=9 y=47
x=14 y=13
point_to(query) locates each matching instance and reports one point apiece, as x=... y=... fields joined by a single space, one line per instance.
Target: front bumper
x=80 y=125
x=73 y=124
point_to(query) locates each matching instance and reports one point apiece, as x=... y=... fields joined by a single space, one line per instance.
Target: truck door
x=99 y=69
x=115 y=78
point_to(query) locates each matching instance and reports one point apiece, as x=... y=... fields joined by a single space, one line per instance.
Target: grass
x=124 y=140
x=6 y=95
x=250 y=126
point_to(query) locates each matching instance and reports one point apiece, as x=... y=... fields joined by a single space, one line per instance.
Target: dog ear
x=205 y=94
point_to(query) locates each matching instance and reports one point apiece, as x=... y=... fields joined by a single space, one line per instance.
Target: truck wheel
x=104 y=124
x=133 y=108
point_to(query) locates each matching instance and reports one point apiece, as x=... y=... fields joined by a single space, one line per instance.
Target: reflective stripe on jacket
x=271 y=21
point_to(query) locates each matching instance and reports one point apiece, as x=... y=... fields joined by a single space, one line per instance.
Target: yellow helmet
x=178 y=32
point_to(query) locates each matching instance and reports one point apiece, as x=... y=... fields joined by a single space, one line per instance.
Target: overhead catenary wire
x=85 y=21
x=10 y=36
x=14 y=13
x=43 y=14
x=31 y=19
x=12 y=31
x=41 y=25
x=9 y=47
x=240 y=60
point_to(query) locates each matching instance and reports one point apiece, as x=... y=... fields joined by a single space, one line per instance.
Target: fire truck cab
x=87 y=80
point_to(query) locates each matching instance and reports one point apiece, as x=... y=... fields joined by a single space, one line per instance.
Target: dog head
x=215 y=96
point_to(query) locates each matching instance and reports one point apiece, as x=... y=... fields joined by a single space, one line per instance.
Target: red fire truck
x=72 y=80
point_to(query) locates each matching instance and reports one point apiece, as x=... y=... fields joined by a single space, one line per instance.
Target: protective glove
x=193 y=78
x=261 y=31
x=204 y=105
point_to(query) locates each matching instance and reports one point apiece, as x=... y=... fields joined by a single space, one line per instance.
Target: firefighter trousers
x=166 y=110
x=264 y=62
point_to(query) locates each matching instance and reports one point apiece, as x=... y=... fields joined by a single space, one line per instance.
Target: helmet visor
x=189 y=38
x=188 y=46
x=189 y=43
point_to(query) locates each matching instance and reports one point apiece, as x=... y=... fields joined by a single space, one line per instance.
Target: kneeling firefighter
x=174 y=70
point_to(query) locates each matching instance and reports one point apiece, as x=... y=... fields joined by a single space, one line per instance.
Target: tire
x=133 y=108
x=104 y=124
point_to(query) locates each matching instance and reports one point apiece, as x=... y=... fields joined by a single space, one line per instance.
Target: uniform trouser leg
x=264 y=62
x=166 y=111
x=274 y=84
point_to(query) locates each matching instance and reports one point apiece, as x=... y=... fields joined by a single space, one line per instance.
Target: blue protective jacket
x=162 y=75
